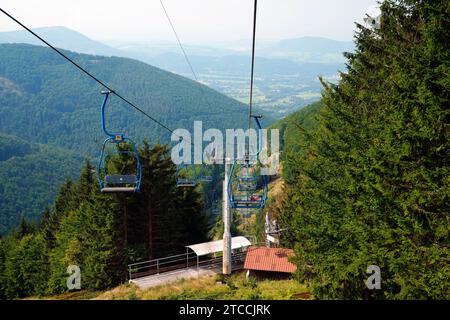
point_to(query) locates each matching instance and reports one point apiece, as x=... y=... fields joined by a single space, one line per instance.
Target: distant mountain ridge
x=236 y=64
x=61 y=37
x=286 y=71
x=302 y=49
x=309 y=49
x=316 y=44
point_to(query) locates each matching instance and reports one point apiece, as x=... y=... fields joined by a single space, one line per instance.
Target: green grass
x=235 y=287
x=75 y=295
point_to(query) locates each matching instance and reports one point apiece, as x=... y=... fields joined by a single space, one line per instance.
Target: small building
x=202 y=249
x=210 y=253
x=263 y=262
x=201 y=258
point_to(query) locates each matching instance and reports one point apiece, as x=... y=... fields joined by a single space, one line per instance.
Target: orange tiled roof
x=269 y=259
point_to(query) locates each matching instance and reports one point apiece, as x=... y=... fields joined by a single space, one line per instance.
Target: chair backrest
x=246 y=187
x=246 y=179
x=183 y=182
x=120 y=179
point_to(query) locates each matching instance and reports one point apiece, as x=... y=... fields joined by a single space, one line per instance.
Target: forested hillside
x=369 y=185
x=101 y=233
x=293 y=131
x=45 y=99
x=293 y=141
x=61 y=37
x=286 y=71
x=30 y=175
x=365 y=170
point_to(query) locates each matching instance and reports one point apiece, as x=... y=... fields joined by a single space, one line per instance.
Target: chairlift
x=247 y=196
x=119 y=167
x=215 y=207
x=247 y=181
x=247 y=188
x=205 y=176
x=186 y=173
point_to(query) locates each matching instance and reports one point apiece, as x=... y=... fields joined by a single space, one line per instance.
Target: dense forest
x=45 y=99
x=368 y=182
x=293 y=136
x=365 y=174
x=101 y=233
x=30 y=175
x=50 y=113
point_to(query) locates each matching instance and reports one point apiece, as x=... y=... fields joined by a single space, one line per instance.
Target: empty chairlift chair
x=204 y=175
x=119 y=166
x=246 y=188
x=186 y=175
x=216 y=205
x=247 y=183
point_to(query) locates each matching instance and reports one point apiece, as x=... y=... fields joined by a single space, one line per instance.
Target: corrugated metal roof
x=205 y=248
x=269 y=259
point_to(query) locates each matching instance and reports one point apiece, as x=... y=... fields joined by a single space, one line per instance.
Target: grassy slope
x=199 y=289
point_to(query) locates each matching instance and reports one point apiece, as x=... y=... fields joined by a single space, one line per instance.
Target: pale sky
x=196 y=21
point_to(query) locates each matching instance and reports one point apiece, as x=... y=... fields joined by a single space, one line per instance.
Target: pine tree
x=65 y=202
x=86 y=182
x=101 y=233
x=24 y=228
x=163 y=217
x=372 y=187
x=26 y=267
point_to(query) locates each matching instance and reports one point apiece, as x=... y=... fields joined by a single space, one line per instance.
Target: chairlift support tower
x=226 y=264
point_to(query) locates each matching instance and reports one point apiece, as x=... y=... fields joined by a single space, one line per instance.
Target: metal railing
x=161 y=265
x=181 y=261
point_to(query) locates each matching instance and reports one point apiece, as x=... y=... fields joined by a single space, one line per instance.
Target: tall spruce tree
x=25 y=267
x=102 y=233
x=373 y=188
x=163 y=217
x=89 y=236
